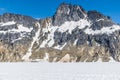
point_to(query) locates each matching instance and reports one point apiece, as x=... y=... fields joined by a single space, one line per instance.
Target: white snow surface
x=21 y=28
x=106 y=30
x=35 y=38
x=75 y=42
x=60 y=71
x=7 y=23
x=100 y=20
x=70 y=25
x=46 y=58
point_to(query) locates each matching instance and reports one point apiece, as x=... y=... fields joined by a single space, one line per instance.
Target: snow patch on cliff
x=70 y=25
x=20 y=28
x=106 y=30
x=7 y=23
x=35 y=38
x=67 y=26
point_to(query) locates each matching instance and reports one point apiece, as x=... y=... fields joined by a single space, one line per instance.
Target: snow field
x=59 y=71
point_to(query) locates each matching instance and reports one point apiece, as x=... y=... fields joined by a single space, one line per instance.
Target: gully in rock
x=35 y=38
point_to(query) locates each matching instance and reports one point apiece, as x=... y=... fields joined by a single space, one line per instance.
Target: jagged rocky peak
x=71 y=33
x=16 y=28
x=68 y=12
x=18 y=18
x=99 y=20
x=45 y=22
x=95 y=15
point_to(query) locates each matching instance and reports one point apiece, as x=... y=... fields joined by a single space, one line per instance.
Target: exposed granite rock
x=94 y=15
x=77 y=46
x=68 y=12
x=21 y=19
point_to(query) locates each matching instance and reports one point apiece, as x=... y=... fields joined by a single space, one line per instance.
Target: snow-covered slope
x=59 y=71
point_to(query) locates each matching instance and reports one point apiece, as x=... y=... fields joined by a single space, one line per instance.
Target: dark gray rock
x=101 y=24
x=68 y=12
x=20 y=19
x=94 y=15
x=11 y=37
x=65 y=12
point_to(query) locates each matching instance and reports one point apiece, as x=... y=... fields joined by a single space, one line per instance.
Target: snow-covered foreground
x=60 y=71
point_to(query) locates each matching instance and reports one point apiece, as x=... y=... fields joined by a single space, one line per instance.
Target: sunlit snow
x=106 y=30
x=7 y=23
x=20 y=28
x=60 y=71
x=67 y=26
x=71 y=25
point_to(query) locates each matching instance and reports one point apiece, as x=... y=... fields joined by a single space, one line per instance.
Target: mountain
x=70 y=35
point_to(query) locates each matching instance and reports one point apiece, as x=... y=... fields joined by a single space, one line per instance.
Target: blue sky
x=46 y=8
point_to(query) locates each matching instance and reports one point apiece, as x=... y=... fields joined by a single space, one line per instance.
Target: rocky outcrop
x=68 y=12
x=70 y=35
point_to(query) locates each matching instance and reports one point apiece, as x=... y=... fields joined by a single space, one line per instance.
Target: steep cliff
x=70 y=35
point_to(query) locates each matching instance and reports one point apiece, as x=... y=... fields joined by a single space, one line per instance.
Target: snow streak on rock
x=35 y=38
x=60 y=47
x=20 y=28
x=75 y=42
x=46 y=58
x=67 y=26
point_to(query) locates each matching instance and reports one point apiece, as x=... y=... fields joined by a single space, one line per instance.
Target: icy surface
x=60 y=71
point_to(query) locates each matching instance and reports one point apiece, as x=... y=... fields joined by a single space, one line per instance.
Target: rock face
x=71 y=35
x=68 y=12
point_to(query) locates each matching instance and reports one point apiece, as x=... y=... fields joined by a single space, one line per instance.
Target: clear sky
x=46 y=8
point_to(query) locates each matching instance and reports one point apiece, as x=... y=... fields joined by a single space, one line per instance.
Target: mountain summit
x=70 y=35
x=68 y=12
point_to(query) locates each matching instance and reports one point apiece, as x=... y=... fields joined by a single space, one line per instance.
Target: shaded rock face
x=99 y=20
x=16 y=26
x=68 y=12
x=71 y=35
x=94 y=15
x=25 y=20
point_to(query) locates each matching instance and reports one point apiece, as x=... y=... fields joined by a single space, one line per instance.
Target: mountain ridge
x=70 y=35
